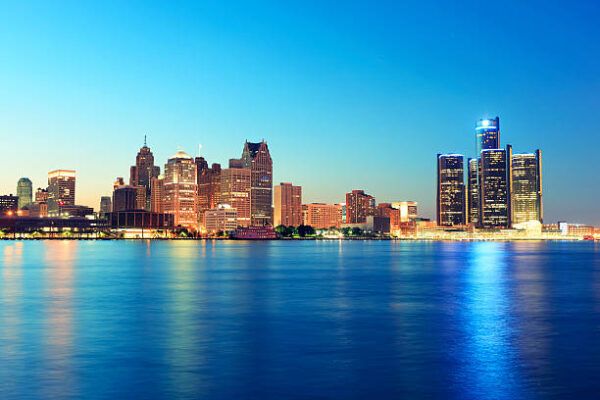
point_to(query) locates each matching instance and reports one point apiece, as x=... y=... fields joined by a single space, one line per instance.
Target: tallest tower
x=143 y=171
x=488 y=134
x=257 y=159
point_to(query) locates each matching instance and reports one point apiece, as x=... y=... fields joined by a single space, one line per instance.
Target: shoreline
x=565 y=239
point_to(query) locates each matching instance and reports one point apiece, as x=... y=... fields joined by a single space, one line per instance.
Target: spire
x=145 y=141
x=200 y=150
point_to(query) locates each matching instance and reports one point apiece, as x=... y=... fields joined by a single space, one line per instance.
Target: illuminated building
x=494 y=195
x=488 y=134
x=139 y=219
x=24 y=192
x=105 y=205
x=256 y=158
x=157 y=193
x=41 y=195
x=322 y=216
x=142 y=173
x=359 y=206
x=61 y=190
x=473 y=191
x=344 y=211
x=288 y=205
x=209 y=186
x=383 y=210
x=408 y=210
x=125 y=199
x=235 y=192
x=223 y=218
x=450 y=190
x=9 y=205
x=180 y=188
x=118 y=182
x=526 y=187
x=141 y=203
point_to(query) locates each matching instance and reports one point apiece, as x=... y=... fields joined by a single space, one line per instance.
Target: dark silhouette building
x=450 y=190
x=494 y=194
x=125 y=199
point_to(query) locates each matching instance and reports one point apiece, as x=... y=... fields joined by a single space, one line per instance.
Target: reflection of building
x=450 y=190
x=222 y=218
x=24 y=192
x=488 y=134
x=473 y=191
x=105 y=205
x=359 y=206
x=322 y=216
x=125 y=198
x=9 y=204
x=288 y=205
x=180 y=190
x=142 y=173
x=494 y=196
x=61 y=190
x=256 y=157
x=235 y=191
x=525 y=183
x=409 y=210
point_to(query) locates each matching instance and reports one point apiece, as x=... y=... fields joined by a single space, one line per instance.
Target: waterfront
x=299 y=319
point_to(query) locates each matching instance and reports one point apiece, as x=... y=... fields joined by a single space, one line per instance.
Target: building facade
x=180 y=188
x=61 y=190
x=473 y=191
x=257 y=159
x=105 y=205
x=450 y=190
x=322 y=216
x=408 y=210
x=236 y=192
x=209 y=186
x=359 y=206
x=488 y=134
x=157 y=193
x=526 y=187
x=24 y=192
x=288 y=205
x=142 y=172
x=125 y=199
x=494 y=194
x=220 y=219
x=9 y=204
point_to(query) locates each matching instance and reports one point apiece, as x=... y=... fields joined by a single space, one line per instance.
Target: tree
x=306 y=230
x=357 y=231
x=280 y=229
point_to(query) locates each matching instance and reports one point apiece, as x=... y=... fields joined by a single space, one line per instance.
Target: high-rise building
x=61 y=190
x=142 y=173
x=41 y=195
x=223 y=218
x=209 y=186
x=125 y=198
x=180 y=187
x=450 y=190
x=359 y=206
x=235 y=192
x=288 y=205
x=256 y=158
x=409 y=210
x=488 y=134
x=24 y=192
x=493 y=190
x=322 y=216
x=9 y=204
x=473 y=191
x=157 y=191
x=141 y=203
x=118 y=182
x=105 y=205
x=525 y=181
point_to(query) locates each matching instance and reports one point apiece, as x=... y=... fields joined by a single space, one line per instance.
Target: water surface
x=299 y=319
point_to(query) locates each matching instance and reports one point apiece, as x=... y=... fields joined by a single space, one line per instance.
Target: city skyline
x=390 y=85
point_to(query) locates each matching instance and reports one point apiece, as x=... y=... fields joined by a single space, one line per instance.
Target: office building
x=235 y=192
x=209 y=186
x=24 y=192
x=180 y=188
x=322 y=216
x=61 y=190
x=359 y=206
x=105 y=205
x=450 y=190
x=408 y=210
x=9 y=205
x=41 y=195
x=157 y=193
x=125 y=198
x=288 y=205
x=494 y=194
x=526 y=187
x=220 y=219
x=142 y=172
x=473 y=191
x=488 y=134
x=257 y=159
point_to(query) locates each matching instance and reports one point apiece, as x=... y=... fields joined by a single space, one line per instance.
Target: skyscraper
x=24 y=192
x=288 y=205
x=105 y=205
x=157 y=189
x=257 y=159
x=473 y=191
x=209 y=186
x=125 y=198
x=494 y=194
x=235 y=192
x=143 y=171
x=359 y=206
x=526 y=187
x=61 y=189
x=488 y=134
x=450 y=190
x=180 y=188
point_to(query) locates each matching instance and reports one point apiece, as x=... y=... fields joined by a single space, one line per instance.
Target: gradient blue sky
x=348 y=95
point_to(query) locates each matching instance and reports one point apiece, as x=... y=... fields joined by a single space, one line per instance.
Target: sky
x=348 y=95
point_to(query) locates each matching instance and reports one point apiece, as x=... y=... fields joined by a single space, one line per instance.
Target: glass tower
x=526 y=187
x=450 y=190
x=488 y=134
x=494 y=194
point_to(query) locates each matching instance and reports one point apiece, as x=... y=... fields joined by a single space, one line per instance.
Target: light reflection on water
x=332 y=319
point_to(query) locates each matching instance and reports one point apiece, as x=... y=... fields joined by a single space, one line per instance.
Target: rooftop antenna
x=200 y=150
x=145 y=141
